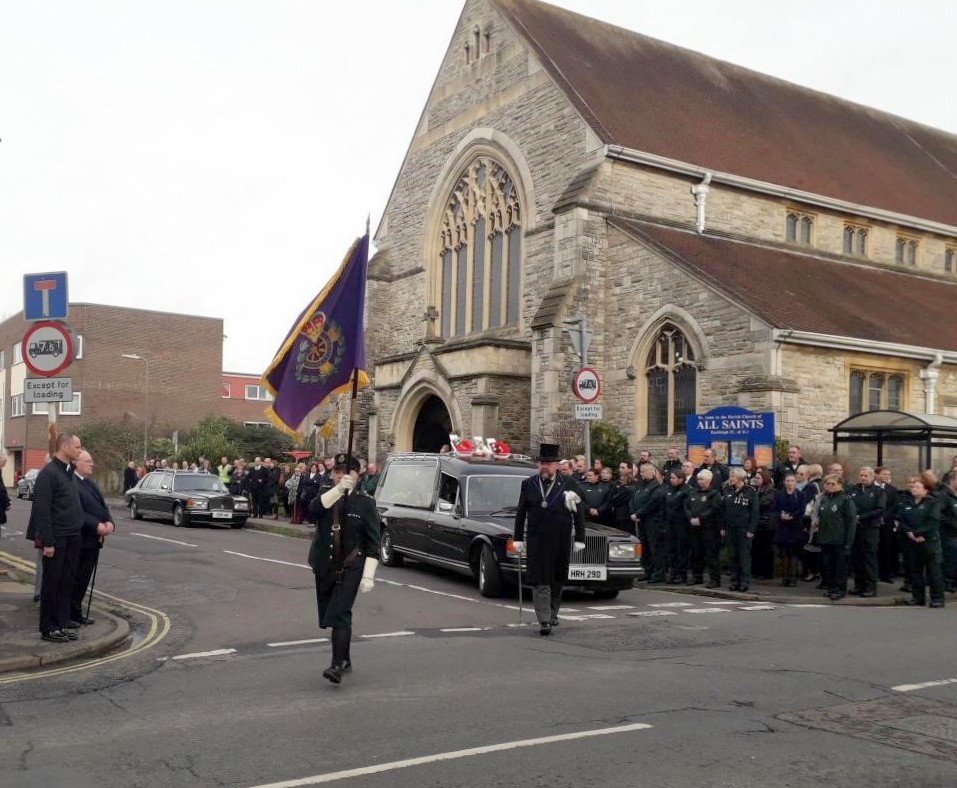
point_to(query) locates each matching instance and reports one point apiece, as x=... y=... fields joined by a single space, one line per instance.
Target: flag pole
x=353 y=402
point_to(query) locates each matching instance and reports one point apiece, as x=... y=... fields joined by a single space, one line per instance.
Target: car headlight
x=194 y=503
x=240 y=505
x=624 y=551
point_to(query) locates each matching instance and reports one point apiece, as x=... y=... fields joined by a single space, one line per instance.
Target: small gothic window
x=906 y=251
x=875 y=390
x=799 y=228
x=672 y=380
x=950 y=261
x=480 y=257
x=855 y=240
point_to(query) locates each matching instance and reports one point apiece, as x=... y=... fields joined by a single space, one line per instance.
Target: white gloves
x=518 y=547
x=572 y=500
x=368 y=575
x=578 y=547
x=329 y=497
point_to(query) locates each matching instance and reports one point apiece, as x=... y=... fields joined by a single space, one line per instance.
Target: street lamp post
x=146 y=402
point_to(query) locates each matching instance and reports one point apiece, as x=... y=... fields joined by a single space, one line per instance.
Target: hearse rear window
x=408 y=484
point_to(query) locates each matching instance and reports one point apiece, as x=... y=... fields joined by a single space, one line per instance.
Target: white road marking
x=924 y=685
x=707 y=610
x=815 y=604
x=648 y=613
x=297 y=642
x=466 y=629
x=329 y=777
x=163 y=539
x=389 y=634
x=756 y=607
x=613 y=607
x=270 y=560
x=220 y=652
x=671 y=604
x=441 y=593
x=706 y=601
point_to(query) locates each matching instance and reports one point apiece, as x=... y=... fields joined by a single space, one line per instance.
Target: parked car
x=186 y=498
x=26 y=484
x=459 y=512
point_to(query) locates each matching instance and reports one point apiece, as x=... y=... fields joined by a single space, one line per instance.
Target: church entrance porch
x=432 y=426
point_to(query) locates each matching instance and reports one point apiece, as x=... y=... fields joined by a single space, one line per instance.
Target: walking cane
x=89 y=601
x=521 y=596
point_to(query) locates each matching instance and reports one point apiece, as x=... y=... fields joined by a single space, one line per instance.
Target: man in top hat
x=548 y=510
x=342 y=556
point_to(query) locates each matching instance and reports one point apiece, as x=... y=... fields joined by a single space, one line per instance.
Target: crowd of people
x=274 y=489
x=794 y=521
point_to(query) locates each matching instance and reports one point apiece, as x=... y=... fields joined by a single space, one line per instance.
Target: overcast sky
x=218 y=157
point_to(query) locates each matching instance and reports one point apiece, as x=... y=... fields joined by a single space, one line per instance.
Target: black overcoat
x=359 y=520
x=547 y=532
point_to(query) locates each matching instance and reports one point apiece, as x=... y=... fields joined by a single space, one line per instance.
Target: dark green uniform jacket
x=837 y=520
x=675 y=505
x=948 y=512
x=706 y=505
x=648 y=503
x=920 y=519
x=359 y=523
x=595 y=496
x=869 y=502
x=741 y=508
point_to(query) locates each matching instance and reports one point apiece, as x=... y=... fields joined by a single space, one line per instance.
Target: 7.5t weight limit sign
x=587 y=385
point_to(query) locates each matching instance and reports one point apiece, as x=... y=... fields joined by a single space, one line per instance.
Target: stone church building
x=731 y=239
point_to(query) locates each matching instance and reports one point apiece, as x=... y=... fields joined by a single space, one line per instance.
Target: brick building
x=184 y=355
x=731 y=238
x=244 y=399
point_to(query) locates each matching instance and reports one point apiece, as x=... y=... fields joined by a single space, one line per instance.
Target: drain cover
x=920 y=725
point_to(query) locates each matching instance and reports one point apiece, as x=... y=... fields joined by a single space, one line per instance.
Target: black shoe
x=695 y=581
x=545 y=628
x=655 y=581
x=72 y=624
x=914 y=602
x=713 y=584
x=734 y=587
x=742 y=588
x=554 y=623
x=807 y=578
x=835 y=595
x=56 y=636
x=855 y=592
x=906 y=588
x=347 y=666
x=867 y=594
x=333 y=673
x=938 y=603
x=36 y=597
x=70 y=634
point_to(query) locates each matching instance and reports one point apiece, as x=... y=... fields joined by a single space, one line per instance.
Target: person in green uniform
x=703 y=507
x=837 y=523
x=677 y=527
x=947 y=495
x=869 y=500
x=648 y=514
x=342 y=556
x=918 y=513
x=741 y=512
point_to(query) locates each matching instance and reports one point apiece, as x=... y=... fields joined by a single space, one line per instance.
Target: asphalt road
x=651 y=689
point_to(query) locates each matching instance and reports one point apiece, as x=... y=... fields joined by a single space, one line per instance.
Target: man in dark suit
x=97 y=524
x=258 y=479
x=549 y=511
x=129 y=476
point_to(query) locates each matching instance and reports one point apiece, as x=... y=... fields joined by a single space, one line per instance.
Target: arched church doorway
x=432 y=426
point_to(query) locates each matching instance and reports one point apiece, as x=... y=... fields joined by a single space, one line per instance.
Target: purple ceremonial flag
x=324 y=347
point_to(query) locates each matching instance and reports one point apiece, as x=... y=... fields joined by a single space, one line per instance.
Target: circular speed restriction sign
x=587 y=384
x=47 y=348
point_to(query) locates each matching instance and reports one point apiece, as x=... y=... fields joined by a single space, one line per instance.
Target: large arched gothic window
x=672 y=382
x=480 y=253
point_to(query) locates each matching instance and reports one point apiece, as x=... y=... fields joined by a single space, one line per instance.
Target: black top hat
x=549 y=452
x=343 y=462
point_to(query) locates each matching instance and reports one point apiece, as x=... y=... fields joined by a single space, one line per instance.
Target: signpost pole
x=583 y=328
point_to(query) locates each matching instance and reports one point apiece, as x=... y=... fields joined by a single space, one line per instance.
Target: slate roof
x=648 y=95
x=809 y=292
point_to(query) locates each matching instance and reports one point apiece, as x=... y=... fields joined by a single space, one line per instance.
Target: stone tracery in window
x=480 y=251
x=671 y=374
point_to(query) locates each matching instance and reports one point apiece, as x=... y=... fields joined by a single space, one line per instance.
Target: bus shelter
x=926 y=431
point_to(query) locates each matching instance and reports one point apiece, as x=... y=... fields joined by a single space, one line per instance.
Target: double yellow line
x=159 y=626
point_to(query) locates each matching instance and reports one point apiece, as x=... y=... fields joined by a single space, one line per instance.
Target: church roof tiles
x=808 y=292
x=641 y=93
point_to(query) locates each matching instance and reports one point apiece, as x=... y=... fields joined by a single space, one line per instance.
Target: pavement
x=20 y=645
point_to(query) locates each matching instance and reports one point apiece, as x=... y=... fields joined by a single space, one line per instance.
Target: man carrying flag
x=324 y=355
